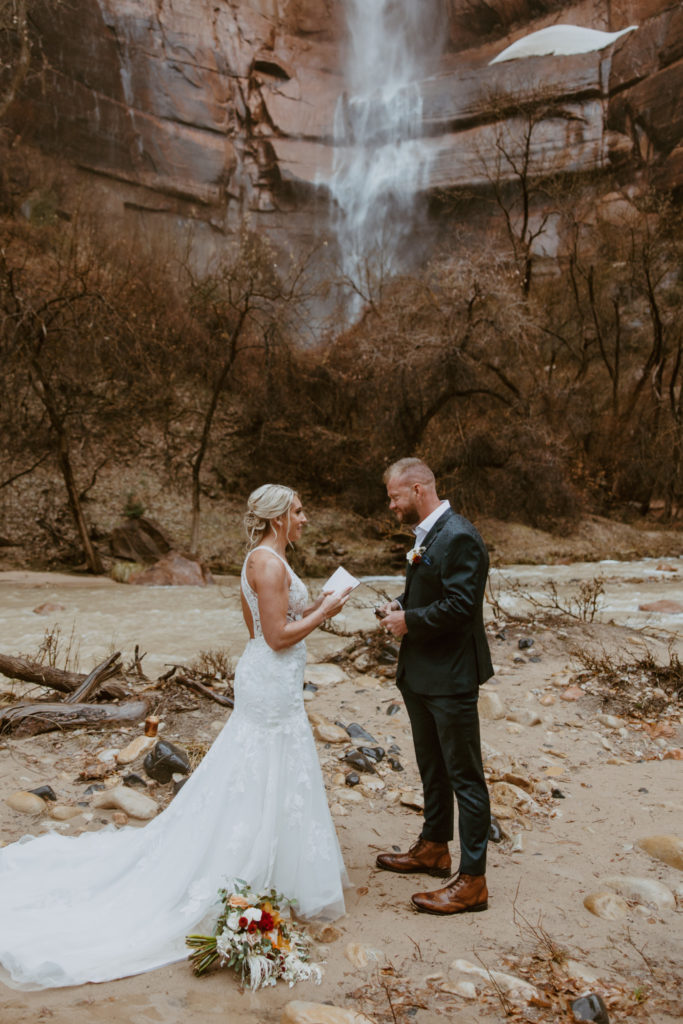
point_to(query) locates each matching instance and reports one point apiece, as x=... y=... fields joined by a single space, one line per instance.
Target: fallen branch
x=43 y=675
x=205 y=691
x=97 y=676
x=31 y=719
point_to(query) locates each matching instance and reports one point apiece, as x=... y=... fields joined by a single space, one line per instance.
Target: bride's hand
x=333 y=603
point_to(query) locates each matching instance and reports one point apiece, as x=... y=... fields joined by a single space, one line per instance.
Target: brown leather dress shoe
x=465 y=893
x=425 y=856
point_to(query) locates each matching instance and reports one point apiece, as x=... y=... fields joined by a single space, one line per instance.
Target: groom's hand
x=395 y=622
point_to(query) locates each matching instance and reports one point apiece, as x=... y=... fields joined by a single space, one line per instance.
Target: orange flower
x=238 y=901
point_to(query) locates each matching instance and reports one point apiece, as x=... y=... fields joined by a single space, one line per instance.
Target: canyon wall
x=204 y=109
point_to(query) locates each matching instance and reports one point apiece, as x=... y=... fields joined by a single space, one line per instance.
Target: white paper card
x=340 y=580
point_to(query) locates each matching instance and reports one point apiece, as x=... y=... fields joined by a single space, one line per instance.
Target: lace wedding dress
x=107 y=904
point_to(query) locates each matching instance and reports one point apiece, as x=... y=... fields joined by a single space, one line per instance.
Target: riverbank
x=578 y=780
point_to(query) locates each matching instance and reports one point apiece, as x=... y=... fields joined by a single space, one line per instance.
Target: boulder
x=139 y=540
x=173 y=570
x=130 y=801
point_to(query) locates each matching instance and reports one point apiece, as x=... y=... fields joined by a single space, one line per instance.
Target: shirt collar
x=423 y=528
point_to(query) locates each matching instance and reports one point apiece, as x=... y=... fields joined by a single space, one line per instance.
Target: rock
x=642 y=890
x=359 y=761
x=665 y=606
x=324 y=674
x=348 y=796
x=119 y=818
x=328 y=732
x=374 y=754
x=395 y=764
x=581 y=972
x=64 y=812
x=525 y=643
x=165 y=759
x=666 y=848
x=357 y=732
x=464 y=989
x=139 y=540
x=572 y=693
x=300 y=1012
x=665 y=567
x=132 y=803
x=173 y=570
x=46 y=792
x=108 y=756
x=325 y=933
x=524 y=716
x=371 y=787
x=508 y=795
x=410 y=798
x=606 y=905
x=48 y=608
x=25 y=803
x=133 y=780
x=590 y=1007
x=490 y=705
x=611 y=721
x=360 y=955
x=517 y=845
x=495 y=831
x=352 y=779
x=518 y=990
x=393 y=709
x=547 y=700
x=140 y=745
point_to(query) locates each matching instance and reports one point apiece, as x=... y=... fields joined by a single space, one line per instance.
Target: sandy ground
x=613 y=786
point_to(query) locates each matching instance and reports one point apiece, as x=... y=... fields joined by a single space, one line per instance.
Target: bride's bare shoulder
x=264 y=566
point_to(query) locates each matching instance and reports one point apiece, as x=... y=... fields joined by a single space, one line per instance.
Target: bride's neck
x=276 y=541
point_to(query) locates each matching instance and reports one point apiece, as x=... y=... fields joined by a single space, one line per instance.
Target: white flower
x=415 y=554
x=233 y=920
x=252 y=914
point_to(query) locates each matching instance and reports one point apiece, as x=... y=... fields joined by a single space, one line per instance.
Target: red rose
x=242 y=922
x=252 y=927
x=266 y=923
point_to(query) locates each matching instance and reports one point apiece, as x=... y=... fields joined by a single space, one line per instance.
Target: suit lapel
x=428 y=541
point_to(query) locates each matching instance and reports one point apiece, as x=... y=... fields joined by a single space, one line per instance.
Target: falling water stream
x=381 y=163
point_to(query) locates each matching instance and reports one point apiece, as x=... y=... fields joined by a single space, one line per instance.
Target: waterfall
x=380 y=162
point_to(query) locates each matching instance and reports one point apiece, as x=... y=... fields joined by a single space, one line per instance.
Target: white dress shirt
x=423 y=528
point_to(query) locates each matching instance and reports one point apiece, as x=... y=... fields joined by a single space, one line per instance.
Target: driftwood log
x=54 y=678
x=205 y=691
x=31 y=719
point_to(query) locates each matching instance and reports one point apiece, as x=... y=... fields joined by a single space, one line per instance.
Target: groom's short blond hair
x=415 y=469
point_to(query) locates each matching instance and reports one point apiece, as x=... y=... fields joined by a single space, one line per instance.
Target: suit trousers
x=448 y=751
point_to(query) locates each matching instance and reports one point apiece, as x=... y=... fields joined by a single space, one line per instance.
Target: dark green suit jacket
x=445 y=650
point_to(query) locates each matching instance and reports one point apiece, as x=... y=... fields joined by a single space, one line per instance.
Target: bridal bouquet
x=254 y=938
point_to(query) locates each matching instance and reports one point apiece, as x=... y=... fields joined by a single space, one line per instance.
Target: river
x=89 y=617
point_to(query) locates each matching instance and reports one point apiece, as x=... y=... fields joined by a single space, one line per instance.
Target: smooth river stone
x=140 y=745
x=25 y=803
x=516 y=988
x=328 y=732
x=606 y=905
x=323 y=675
x=64 y=812
x=300 y=1012
x=666 y=848
x=490 y=706
x=135 y=804
x=360 y=955
x=643 y=890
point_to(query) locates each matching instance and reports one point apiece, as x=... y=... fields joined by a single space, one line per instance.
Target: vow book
x=341 y=580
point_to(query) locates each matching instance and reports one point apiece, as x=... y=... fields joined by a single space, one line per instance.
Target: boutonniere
x=414 y=556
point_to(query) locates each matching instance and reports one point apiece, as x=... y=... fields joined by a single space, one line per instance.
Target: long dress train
x=108 y=904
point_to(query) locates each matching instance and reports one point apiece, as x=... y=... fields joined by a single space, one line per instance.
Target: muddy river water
x=91 y=617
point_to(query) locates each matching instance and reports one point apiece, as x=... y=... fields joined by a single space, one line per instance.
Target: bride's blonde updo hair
x=263 y=505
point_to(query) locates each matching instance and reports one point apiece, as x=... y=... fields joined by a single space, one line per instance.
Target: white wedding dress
x=108 y=904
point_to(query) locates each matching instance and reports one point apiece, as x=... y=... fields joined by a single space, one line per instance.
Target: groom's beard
x=408 y=516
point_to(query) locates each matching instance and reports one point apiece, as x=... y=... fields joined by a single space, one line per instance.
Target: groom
x=444 y=656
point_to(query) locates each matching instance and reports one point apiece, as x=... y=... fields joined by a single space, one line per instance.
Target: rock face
x=204 y=110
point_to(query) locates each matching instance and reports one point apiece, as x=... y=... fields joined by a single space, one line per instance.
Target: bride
x=107 y=904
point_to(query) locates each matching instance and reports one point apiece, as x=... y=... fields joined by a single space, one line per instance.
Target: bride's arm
x=271 y=584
